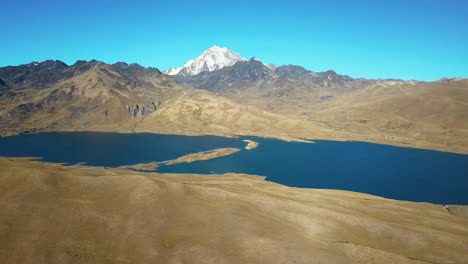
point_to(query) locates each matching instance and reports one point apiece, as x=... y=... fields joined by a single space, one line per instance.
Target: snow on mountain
x=212 y=59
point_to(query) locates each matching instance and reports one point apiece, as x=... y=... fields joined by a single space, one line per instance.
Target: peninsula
x=203 y=155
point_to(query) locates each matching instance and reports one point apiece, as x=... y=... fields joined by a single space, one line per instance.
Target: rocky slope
x=82 y=95
x=56 y=214
x=3 y=85
x=254 y=78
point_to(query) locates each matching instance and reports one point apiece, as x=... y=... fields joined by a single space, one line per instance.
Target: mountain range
x=221 y=93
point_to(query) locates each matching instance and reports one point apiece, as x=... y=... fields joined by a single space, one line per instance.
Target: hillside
x=103 y=94
x=56 y=214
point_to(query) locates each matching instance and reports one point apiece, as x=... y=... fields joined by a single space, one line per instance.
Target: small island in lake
x=250 y=144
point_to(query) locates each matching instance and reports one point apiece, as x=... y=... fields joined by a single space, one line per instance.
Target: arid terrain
x=56 y=214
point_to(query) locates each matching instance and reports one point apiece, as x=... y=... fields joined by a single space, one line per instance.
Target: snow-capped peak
x=214 y=58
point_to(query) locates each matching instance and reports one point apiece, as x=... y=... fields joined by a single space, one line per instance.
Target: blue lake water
x=388 y=171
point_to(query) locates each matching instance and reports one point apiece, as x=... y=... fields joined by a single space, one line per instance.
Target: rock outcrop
x=142 y=109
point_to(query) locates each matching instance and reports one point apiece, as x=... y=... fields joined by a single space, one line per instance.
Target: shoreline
x=382 y=141
x=151 y=167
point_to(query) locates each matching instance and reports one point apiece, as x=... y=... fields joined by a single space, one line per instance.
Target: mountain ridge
x=214 y=58
x=246 y=98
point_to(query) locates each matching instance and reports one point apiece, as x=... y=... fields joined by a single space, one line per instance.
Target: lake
x=388 y=171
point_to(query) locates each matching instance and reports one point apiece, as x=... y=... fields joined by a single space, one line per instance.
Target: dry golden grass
x=55 y=214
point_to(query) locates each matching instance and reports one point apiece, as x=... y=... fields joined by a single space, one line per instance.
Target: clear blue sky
x=410 y=39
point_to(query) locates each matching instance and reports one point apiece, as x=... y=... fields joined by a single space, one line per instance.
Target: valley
x=234 y=132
